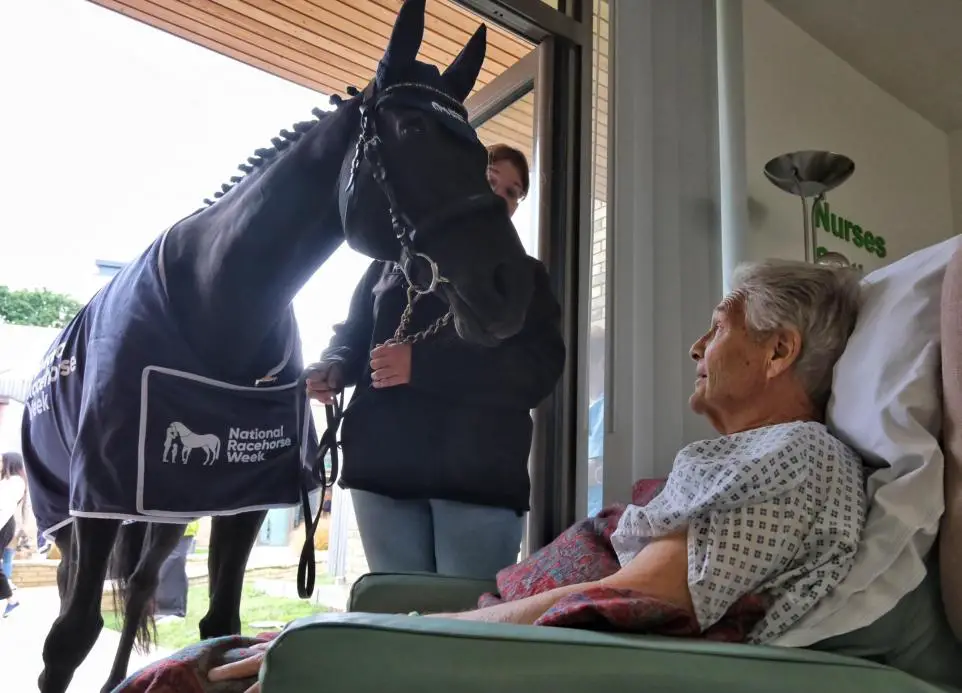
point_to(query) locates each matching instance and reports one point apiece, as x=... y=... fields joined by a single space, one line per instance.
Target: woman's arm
x=703 y=569
x=659 y=571
x=518 y=373
x=351 y=342
x=242 y=668
x=29 y=525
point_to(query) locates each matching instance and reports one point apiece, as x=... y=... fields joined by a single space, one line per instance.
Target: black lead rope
x=307 y=565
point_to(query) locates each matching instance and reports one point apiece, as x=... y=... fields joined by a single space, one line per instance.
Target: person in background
x=437 y=435
x=16 y=518
x=508 y=175
x=171 y=594
x=596 y=418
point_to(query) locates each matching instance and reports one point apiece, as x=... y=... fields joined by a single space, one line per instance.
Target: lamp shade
x=833 y=259
x=809 y=173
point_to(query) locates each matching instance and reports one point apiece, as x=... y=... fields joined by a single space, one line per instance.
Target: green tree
x=40 y=307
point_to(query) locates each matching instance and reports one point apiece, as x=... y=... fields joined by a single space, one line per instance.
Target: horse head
x=396 y=171
x=414 y=189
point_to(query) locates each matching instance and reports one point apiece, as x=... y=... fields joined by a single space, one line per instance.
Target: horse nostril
x=502 y=280
x=513 y=281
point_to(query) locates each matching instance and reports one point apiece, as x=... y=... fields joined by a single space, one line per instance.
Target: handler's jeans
x=436 y=536
x=171 y=595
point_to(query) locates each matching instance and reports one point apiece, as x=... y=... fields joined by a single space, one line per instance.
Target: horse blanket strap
x=307 y=565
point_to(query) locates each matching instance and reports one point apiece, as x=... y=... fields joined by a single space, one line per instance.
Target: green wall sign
x=848 y=231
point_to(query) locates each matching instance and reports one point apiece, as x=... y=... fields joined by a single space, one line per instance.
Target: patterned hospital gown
x=777 y=509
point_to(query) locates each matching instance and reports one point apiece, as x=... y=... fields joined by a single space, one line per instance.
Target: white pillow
x=887 y=404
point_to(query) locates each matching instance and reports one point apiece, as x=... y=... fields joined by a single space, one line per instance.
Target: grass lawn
x=256 y=606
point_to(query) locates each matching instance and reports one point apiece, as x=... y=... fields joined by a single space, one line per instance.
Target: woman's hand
x=325 y=382
x=242 y=668
x=391 y=365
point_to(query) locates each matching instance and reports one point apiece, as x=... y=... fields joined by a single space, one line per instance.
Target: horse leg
x=137 y=589
x=75 y=631
x=66 y=569
x=231 y=540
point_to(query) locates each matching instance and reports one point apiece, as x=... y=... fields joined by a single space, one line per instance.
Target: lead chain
x=429 y=331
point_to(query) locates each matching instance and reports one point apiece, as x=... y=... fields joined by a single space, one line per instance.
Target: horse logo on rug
x=179 y=434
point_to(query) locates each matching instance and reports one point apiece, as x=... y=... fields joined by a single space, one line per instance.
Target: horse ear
x=402 y=49
x=463 y=72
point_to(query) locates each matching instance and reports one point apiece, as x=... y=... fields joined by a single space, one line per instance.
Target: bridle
x=369 y=148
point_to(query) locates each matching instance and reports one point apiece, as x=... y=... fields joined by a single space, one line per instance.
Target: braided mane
x=264 y=156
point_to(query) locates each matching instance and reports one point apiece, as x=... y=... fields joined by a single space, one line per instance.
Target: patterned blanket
x=581 y=554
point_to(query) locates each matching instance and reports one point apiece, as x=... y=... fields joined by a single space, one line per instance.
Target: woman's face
x=731 y=366
x=505 y=181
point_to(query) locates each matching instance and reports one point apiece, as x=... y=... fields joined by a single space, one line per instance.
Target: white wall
x=955 y=177
x=799 y=95
x=11 y=418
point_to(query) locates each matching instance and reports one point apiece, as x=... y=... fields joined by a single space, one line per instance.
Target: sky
x=113 y=130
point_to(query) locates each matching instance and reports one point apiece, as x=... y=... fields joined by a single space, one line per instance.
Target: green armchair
x=372 y=648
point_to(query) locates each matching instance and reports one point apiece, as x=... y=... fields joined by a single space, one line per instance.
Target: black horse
x=189 y=328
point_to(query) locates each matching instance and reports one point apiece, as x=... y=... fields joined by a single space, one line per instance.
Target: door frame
x=564 y=149
x=503 y=90
x=535 y=20
x=531 y=74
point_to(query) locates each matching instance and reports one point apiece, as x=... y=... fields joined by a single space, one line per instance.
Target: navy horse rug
x=158 y=437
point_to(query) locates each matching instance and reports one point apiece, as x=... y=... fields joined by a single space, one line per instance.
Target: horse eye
x=413 y=124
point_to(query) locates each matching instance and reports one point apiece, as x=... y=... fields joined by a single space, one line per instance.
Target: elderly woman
x=775 y=504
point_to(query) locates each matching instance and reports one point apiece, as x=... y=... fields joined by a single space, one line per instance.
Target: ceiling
x=320 y=44
x=328 y=44
x=910 y=48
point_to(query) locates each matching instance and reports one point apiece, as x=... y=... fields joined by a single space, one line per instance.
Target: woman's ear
x=785 y=348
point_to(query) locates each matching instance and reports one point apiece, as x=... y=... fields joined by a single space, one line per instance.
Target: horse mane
x=266 y=155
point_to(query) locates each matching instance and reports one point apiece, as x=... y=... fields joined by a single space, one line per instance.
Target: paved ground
x=23 y=632
x=21 y=642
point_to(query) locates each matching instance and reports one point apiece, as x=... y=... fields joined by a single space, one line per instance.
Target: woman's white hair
x=822 y=303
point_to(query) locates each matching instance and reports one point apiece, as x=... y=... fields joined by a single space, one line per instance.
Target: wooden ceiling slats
x=494 y=132
x=326 y=45
x=262 y=35
x=202 y=34
x=353 y=45
x=320 y=24
x=452 y=25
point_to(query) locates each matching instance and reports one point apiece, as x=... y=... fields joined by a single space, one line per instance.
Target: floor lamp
x=811 y=174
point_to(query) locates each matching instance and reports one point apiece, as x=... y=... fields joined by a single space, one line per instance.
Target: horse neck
x=233 y=268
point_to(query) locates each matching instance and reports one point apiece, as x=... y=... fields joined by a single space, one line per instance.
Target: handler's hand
x=391 y=364
x=325 y=382
x=242 y=669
